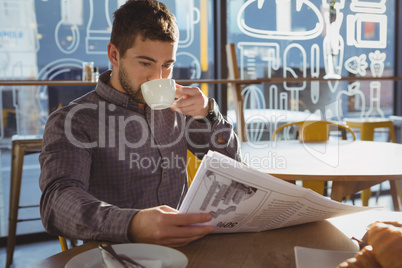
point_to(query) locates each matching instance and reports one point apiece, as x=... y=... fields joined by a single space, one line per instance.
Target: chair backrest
x=367 y=127
x=315 y=130
x=193 y=163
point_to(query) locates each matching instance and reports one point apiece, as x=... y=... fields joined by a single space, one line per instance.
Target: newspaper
x=241 y=199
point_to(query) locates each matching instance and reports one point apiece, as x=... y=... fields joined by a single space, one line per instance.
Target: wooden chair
x=21 y=145
x=234 y=73
x=315 y=131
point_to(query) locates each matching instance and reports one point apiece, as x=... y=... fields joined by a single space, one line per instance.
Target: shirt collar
x=114 y=96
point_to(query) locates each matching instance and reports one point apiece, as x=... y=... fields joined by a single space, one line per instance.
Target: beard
x=125 y=83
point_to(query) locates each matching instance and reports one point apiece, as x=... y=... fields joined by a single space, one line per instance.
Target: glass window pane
x=313 y=39
x=50 y=40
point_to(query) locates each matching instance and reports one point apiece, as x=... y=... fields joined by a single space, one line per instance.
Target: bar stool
x=367 y=127
x=21 y=145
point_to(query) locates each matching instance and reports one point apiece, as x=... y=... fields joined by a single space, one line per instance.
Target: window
x=49 y=40
x=313 y=39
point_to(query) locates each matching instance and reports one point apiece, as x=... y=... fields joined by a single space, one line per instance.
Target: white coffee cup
x=159 y=93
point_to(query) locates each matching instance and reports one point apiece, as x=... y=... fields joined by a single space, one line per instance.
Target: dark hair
x=149 y=18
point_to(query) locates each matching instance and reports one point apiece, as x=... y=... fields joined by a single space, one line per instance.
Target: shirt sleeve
x=67 y=208
x=204 y=136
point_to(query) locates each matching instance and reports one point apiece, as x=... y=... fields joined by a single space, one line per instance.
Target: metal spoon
x=123 y=260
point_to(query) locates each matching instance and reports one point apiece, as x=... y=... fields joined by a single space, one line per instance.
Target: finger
x=191 y=104
x=174 y=218
x=191 y=111
x=194 y=102
x=188 y=219
x=179 y=91
x=191 y=91
x=188 y=106
x=185 y=104
x=178 y=96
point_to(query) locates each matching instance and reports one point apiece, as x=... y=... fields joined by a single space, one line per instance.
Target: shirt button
x=164 y=174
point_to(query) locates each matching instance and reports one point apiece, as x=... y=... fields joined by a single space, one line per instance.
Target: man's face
x=146 y=60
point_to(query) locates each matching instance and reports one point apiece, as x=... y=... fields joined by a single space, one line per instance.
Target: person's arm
x=205 y=131
x=67 y=209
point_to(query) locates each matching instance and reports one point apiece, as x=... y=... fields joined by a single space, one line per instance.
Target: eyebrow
x=146 y=58
x=153 y=60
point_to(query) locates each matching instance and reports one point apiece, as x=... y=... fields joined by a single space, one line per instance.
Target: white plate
x=320 y=258
x=170 y=257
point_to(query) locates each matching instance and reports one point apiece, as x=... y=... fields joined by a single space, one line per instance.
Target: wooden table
x=351 y=165
x=273 y=248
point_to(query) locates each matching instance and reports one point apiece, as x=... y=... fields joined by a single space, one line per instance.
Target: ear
x=113 y=54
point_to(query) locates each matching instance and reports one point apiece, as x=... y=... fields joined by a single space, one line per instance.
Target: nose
x=156 y=73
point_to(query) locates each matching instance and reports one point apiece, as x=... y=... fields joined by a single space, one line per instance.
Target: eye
x=145 y=64
x=168 y=66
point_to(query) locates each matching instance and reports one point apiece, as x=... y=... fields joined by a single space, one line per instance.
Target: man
x=113 y=169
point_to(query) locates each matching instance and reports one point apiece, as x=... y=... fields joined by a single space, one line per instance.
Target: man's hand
x=163 y=225
x=194 y=102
